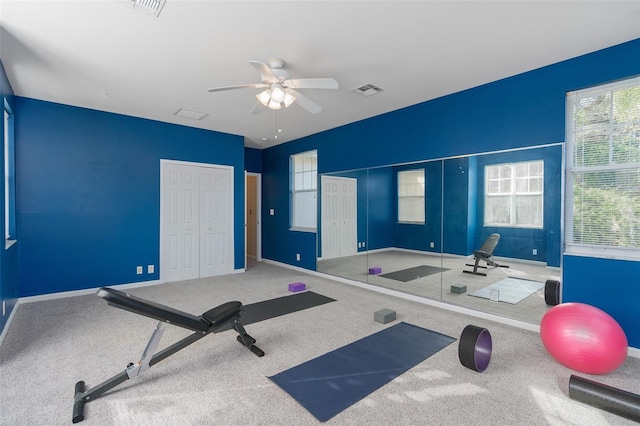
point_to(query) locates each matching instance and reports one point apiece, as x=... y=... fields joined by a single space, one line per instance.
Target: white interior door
x=339 y=218
x=348 y=229
x=180 y=212
x=196 y=217
x=216 y=251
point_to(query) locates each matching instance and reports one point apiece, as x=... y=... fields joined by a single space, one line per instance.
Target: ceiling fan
x=280 y=89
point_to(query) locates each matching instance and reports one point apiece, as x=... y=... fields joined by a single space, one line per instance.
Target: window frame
x=572 y=171
x=309 y=190
x=400 y=197
x=513 y=193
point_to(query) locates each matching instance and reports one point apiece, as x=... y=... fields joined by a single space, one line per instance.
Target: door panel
x=216 y=233
x=339 y=231
x=181 y=226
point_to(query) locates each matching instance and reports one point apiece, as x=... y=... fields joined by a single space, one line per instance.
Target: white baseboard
x=72 y=293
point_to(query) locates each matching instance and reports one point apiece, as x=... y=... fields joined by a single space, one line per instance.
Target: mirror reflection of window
x=411 y=196
x=514 y=194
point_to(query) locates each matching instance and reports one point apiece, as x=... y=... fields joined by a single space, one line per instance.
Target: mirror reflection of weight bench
x=485 y=254
x=227 y=313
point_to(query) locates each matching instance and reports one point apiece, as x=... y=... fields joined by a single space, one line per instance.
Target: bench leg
x=82 y=396
x=245 y=339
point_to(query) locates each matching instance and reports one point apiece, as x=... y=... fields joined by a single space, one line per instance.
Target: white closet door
x=348 y=232
x=330 y=219
x=182 y=223
x=196 y=235
x=216 y=242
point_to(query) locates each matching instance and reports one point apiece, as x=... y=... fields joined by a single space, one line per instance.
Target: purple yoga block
x=297 y=287
x=375 y=270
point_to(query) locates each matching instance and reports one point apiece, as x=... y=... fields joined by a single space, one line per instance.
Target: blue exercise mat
x=333 y=382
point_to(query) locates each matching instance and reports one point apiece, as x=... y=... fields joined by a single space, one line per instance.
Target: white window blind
x=411 y=196
x=304 y=182
x=603 y=179
x=514 y=194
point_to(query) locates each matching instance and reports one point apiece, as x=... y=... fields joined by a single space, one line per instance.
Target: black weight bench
x=227 y=313
x=485 y=254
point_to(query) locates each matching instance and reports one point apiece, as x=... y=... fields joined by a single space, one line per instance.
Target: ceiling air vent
x=152 y=7
x=367 y=90
x=193 y=115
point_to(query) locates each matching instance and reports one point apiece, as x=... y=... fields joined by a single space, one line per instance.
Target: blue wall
x=253 y=160
x=380 y=209
x=517 y=112
x=611 y=285
x=8 y=256
x=88 y=185
x=459 y=203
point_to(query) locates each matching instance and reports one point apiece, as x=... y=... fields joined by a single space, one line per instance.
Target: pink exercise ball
x=583 y=338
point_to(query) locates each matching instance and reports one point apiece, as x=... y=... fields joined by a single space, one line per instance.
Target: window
x=603 y=177
x=514 y=194
x=304 y=181
x=9 y=178
x=411 y=196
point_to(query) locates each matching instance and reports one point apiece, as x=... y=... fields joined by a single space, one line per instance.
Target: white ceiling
x=110 y=56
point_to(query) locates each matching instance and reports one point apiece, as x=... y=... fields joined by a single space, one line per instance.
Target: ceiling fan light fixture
x=277 y=94
x=274 y=105
x=264 y=97
x=288 y=99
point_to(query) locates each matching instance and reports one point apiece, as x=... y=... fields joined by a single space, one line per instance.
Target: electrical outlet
x=363 y=244
x=432 y=244
x=139 y=270
x=298 y=257
x=535 y=252
x=272 y=212
x=150 y=269
x=4 y=308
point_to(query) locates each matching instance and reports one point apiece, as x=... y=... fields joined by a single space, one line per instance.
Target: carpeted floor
x=52 y=344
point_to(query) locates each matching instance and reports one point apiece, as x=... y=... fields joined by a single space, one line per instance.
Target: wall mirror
x=414 y=228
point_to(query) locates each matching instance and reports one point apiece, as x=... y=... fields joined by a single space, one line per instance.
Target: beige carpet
x=52 y=344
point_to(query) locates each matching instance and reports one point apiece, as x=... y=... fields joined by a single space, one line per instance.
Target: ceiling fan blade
x=305 y=102
x=241 y=86
x=311 y=83
x=266 y=75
